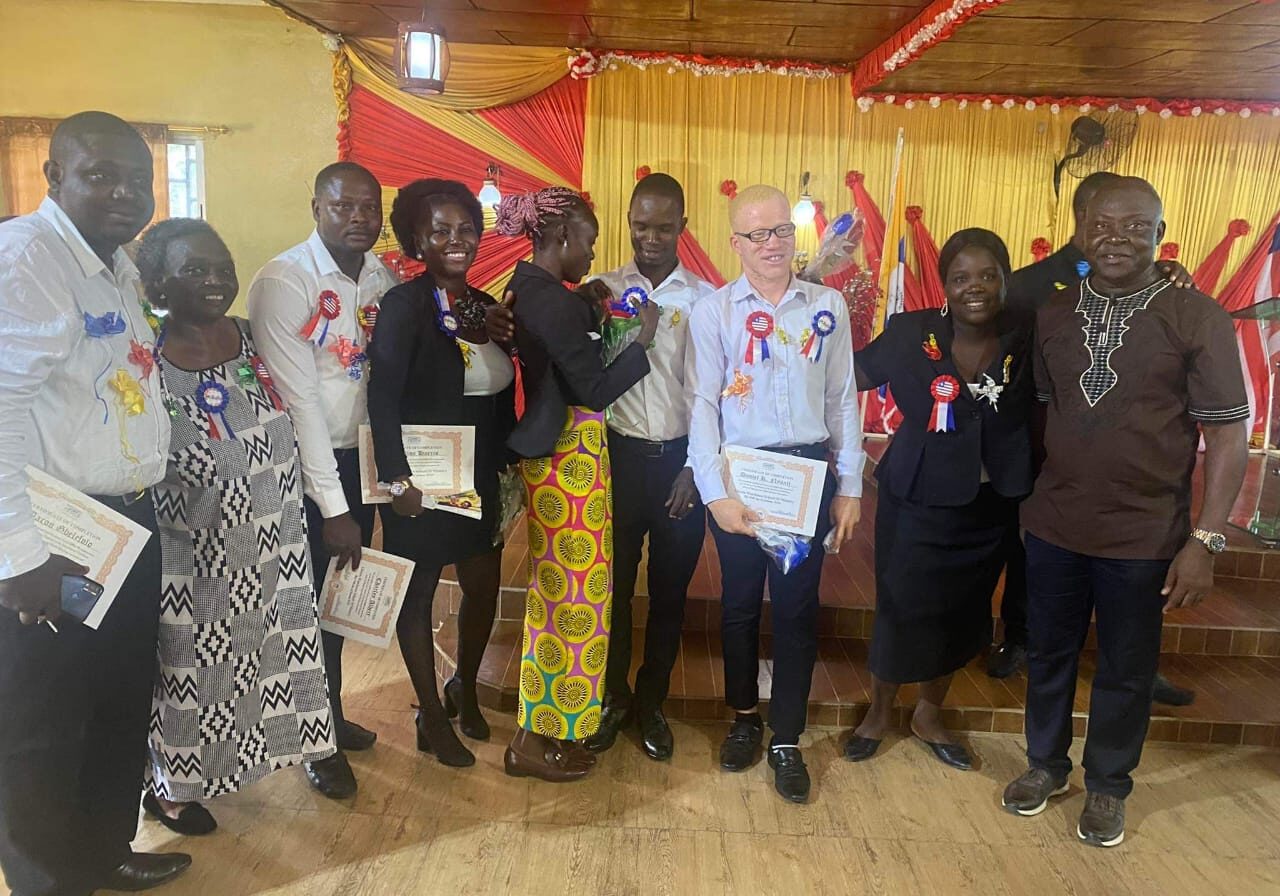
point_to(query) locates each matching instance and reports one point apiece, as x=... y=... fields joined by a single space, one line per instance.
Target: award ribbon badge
x=824 y=324
x=212 y=398
x=350 y=356
x=759 y=328
x=328 y=307
x=945 y=390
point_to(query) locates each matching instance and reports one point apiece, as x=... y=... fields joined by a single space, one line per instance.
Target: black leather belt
x=646 y=447
x=816 y=451
x=119 y=501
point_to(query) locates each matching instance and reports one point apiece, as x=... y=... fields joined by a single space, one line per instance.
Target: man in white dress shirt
x=312 y=309
x=797 y=398
x=653 y=487
x=74 y=702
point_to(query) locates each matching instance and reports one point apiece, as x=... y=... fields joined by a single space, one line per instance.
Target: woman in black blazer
x=950 y=484
x=565 y=467
x=431 y=363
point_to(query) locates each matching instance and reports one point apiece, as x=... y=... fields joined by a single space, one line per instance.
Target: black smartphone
x=80 y=595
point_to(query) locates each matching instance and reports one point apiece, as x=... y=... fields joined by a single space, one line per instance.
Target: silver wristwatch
x=399 y=488
x=1214 y=542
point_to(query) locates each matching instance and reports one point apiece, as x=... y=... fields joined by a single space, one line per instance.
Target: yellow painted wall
x=247 y=68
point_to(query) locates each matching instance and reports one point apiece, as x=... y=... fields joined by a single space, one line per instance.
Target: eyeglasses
x=782 y=231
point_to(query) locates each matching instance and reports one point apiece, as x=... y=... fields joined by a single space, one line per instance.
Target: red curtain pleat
x=1210 y=270
x=693 y=257
x=549 y=126
x=930 y=294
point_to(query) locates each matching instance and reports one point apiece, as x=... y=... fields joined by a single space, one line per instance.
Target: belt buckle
x=134 y=498
x=654 y=449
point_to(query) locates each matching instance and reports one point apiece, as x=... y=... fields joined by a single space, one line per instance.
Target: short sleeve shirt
x=1128 y=380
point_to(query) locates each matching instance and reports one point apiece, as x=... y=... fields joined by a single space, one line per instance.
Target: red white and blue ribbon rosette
x=212 y=398
x=628 y=304
x=824 y=324
x=328 y=307
x=367 y=317
x=945 y=390
x=265 y=380
x=759 y=329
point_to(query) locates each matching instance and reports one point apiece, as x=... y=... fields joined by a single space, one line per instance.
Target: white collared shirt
x=57 y=409
x=326 y=404
x=657 y=407
x=791 y=400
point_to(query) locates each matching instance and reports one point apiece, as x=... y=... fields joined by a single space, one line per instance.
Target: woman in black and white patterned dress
x=240 y=690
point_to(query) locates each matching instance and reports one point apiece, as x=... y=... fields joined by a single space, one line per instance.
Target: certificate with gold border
x=363 y=604
x=787 y=490
x=86 y=532
x=441 y=462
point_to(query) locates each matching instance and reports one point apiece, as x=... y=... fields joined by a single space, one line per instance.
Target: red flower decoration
x=914 y=213
x=643 y=171
x=729 y=188
x=1169 y=251
x=853 y=178
x=1041 y=248
x=1238 y=228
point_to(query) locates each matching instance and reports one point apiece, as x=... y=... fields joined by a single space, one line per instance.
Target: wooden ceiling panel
x=960 y=53
x=1253 y=14
x=851 y=43
x=1142 y=10
x=1175 y=36
x=1208 y=63
x=991 y=30
x=884 y=18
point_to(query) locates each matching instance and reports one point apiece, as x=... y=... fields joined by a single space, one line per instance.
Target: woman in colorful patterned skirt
x=240 y=688
x=566 y=472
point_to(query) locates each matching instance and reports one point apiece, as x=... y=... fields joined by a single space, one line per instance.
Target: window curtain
x=24 y=148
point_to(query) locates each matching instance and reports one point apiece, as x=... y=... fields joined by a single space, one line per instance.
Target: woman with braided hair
x=433 y=364
x=565 y=467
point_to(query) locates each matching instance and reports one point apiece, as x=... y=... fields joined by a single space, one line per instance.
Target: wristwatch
x=399 y=488
x=1214 y=542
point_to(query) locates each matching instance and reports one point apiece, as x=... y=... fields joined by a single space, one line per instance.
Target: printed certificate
x=92 y=534
x=363 y=604
x=442 y=461
x=787 y=490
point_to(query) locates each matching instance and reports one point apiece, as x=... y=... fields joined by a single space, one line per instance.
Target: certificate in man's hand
x=442 y=461
x=363 y=604
x=92 y=534
x=787 y=490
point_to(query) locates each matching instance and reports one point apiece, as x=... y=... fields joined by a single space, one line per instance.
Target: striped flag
x=893 y=274
x=1257 y=280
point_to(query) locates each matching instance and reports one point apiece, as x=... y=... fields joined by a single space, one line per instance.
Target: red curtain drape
x=1210 y=270
x=549 y=126
x=930 y=294
x=693 y=257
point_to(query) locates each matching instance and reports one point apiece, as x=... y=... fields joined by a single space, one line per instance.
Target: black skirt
x=438 y=537
x=936 y=570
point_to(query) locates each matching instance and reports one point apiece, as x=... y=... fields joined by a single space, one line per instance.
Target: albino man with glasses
x=772 y=368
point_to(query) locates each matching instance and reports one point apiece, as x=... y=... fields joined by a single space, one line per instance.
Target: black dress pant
x=1066 y=589
x=74 y=713
x=643 y=473
x=793 y=599
x=1013 y=600
x=349 y=472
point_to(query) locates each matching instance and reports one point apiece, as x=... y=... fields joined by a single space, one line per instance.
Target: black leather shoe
x=859 y=749
x=738 y=752
x=333 y=777
x=193 y=821
x=790 y=776
x=1169 y=694
x=1007 y=659
x=655 y=735
x=354 y=738
x=146 y=870
x=613 y=718
x=953 y=755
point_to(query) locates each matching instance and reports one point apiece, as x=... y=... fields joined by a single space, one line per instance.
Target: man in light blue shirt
x=797 y=398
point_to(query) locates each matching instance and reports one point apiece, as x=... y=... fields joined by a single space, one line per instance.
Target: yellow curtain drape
x=965 y=167
x=489 y=142
x=24 y=148
x=480 y=75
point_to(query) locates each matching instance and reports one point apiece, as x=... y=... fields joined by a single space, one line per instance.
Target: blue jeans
x=1065 y=589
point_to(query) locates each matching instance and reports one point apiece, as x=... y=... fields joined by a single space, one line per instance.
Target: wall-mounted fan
x=1097 y=142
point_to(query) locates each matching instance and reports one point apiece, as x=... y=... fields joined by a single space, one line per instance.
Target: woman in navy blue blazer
x=949 y=484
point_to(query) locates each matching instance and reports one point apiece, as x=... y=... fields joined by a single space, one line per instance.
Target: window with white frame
x=186 y=177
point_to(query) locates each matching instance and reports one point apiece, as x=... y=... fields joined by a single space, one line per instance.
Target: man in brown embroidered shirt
x=1134 y=370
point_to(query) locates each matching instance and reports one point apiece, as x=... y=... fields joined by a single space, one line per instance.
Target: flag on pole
x=1257 y=280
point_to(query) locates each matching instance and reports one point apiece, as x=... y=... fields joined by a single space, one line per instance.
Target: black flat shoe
x=193 y=821
x=1006 y=659
x=436 y=735
x=145 y=870
x=655 y=735
x=790 y=776
x=859 y=749
x=738 y=752
x=953 y=755
x=1169 y=694
x=332 y=777
x=458 y=703
x=355 y=738
x=613 y=718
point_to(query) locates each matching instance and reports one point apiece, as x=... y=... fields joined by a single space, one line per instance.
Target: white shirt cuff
x=849 y=486
x=331 y=503
x=21 y=552
x=716 y=494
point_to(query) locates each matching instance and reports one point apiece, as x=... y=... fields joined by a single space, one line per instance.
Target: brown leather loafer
x=552 y=763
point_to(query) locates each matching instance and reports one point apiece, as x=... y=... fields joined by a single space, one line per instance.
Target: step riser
x=703 y=614
x=847 y=715
x=1255 y=565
